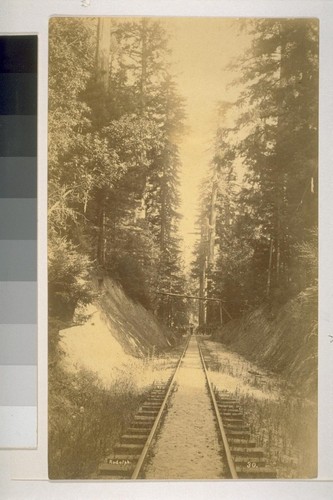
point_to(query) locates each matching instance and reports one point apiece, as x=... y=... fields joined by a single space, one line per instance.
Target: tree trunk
x=143 y=80
x=101 y=230
x=202 y=293
x=103 y=51
x=212 y=222
x=203 y=272
x=102 y=75
x=163 y=211
x=268 y=289
x=280 y=177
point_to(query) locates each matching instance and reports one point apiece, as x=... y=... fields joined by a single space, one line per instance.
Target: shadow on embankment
x=283 y=341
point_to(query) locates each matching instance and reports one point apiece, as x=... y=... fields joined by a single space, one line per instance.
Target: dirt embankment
x=135 y=328
x=107 y=363
x=283 y=341
x=112 y=336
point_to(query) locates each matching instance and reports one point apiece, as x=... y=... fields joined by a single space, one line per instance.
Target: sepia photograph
x=182 y=248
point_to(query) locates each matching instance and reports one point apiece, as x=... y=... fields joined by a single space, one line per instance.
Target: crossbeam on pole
x=194 y=297
x=189 y=296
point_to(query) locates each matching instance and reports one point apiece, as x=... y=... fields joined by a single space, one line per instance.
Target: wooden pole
x=188 y=296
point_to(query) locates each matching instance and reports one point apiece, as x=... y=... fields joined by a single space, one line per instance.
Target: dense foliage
x=114 y=122
x=259 y=209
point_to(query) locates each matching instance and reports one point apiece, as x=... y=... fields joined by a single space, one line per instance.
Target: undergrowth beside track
x=283 y=340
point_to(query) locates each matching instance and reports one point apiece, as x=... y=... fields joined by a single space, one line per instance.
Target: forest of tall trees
x=120 y=171
x=258 y=214
x=115 y=123
x=115 y=119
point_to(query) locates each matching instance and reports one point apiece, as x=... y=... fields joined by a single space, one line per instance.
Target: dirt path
x=187 y=446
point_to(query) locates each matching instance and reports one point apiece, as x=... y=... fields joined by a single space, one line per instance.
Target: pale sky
x=201 y=48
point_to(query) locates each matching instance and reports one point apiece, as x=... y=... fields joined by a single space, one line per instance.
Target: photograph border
x=26 y=470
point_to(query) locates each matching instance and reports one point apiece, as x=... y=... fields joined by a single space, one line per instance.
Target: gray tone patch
x=18 y=426
x=18 y=385
x=18 y=219
x=18 y=135
x=18 y=344
x=18 y=177
x=18 y=301
x=18 y=93
x=18 y=260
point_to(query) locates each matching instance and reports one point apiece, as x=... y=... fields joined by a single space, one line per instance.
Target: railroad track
x=244 y=459
x=129 y=454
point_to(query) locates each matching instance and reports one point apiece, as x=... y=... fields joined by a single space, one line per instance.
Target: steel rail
x=144 y=452
x=230 y=461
